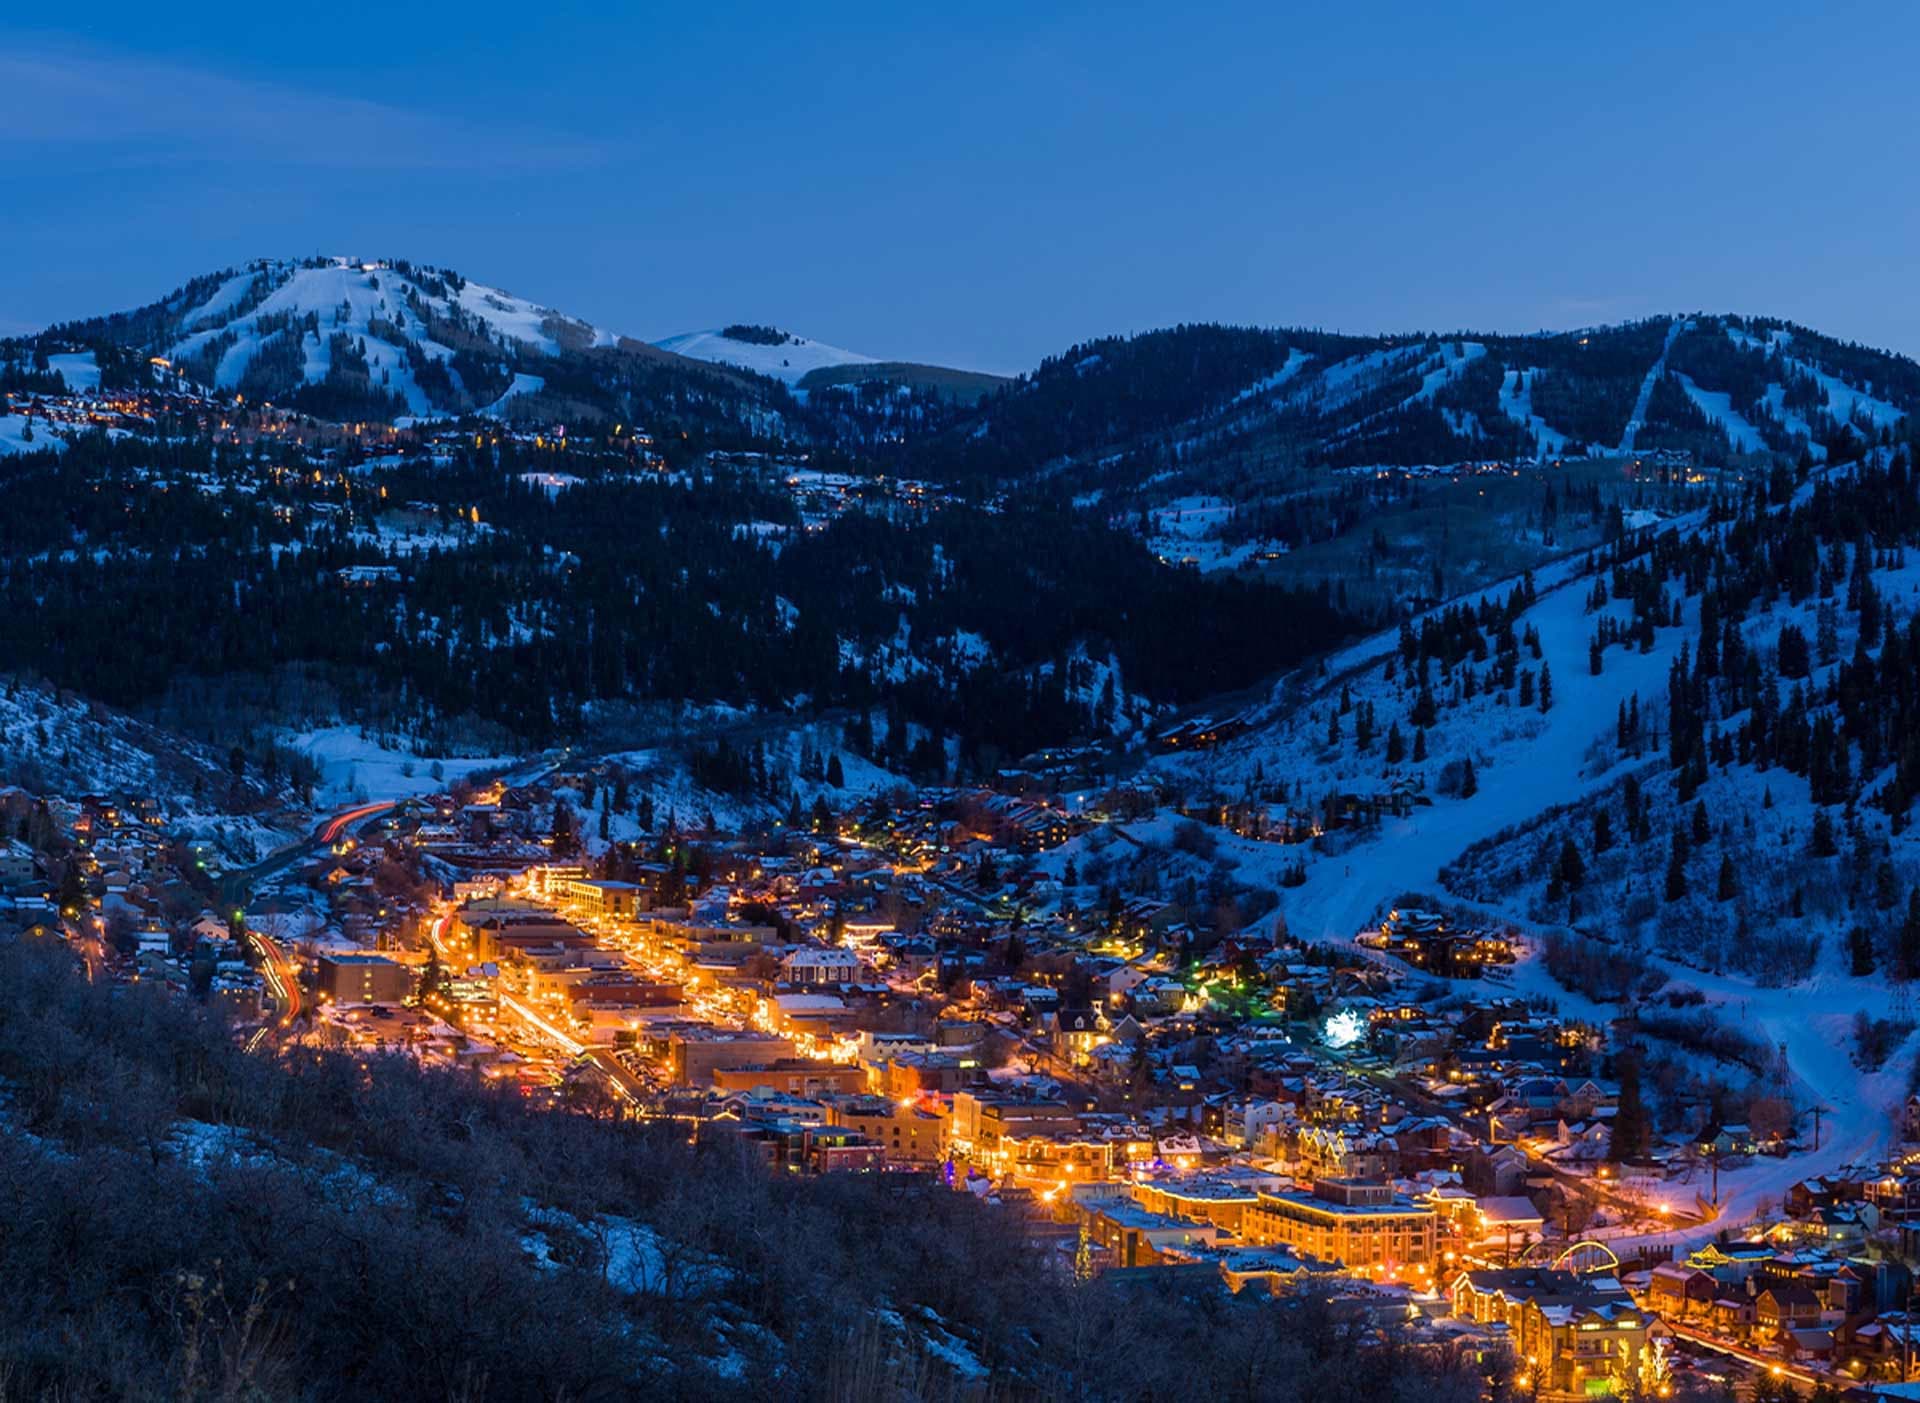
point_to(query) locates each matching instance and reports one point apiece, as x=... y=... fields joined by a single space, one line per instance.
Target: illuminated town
x=897 y=991
x=1028 y=704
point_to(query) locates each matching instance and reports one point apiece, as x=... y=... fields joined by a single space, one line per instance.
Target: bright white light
x=1344 y=1029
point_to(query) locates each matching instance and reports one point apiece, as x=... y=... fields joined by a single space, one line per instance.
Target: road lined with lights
x=333 y=828
x=281 y=977
x=1754 y=1357
x=563 y=1040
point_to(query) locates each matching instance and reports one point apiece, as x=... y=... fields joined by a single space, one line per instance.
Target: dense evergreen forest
x=1122 y=411
x=129 y=567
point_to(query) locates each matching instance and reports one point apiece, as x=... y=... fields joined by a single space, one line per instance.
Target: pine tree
x=1910 y=937
x=836 y=776
x=1677 y=867
x=566 y=835
x=1727 y=887
x=1823 y=843
x=1632 y=1129
x=1860 y=949
x=432 y=976
x=1570 y=869
x=71 y=895
x=1546 y=687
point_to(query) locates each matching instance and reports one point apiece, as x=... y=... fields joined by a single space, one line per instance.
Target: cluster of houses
x=1820 y=1304
x=1242 y=1108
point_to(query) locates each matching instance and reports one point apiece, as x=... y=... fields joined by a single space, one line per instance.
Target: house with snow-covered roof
x=821 y=965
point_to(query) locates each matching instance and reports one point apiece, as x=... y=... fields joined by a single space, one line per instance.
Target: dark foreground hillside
x=184 y=1221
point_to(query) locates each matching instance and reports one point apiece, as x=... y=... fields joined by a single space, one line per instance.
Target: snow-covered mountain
x=1179 y=410
x=426 y=339
x=763 y=350
x=1184 y=408
x=352 y=339
x=1681 y=763
x=360 y=297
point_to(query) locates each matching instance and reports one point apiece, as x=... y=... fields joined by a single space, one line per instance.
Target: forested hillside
x=461 y=594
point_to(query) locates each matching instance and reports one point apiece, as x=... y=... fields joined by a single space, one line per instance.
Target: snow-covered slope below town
x=789 y=360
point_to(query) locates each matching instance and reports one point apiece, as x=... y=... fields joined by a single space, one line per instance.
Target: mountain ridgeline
x=351 y=341
x=967 y=567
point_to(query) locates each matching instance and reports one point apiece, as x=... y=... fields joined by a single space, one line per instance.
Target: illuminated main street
x=910 y=987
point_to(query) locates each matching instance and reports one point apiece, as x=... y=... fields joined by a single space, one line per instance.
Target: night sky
x=985 y=184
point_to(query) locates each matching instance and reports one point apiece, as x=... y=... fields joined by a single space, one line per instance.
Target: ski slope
x=377 y=307
x=1718 y=407
x=1525 y=765
x=790 y=362
x=1638 y=419
x=1516 y=402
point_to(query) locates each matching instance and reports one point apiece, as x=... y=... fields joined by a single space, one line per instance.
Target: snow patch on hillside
x=523 y=384
x=13 y=436
x=1454 y=357
x=79 y=369
x=1296 y=362
x=355 y=767
x=789 y=362
x=1843 y=401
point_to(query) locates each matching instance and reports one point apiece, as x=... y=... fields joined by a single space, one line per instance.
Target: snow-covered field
x=79 y=369
x=1186 y=532
x=13 y=436
x=356 y=767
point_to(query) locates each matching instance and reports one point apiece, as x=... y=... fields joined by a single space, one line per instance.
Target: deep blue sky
x=984 y=184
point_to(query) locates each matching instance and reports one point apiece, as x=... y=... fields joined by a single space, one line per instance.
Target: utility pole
x=1906 y=1340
